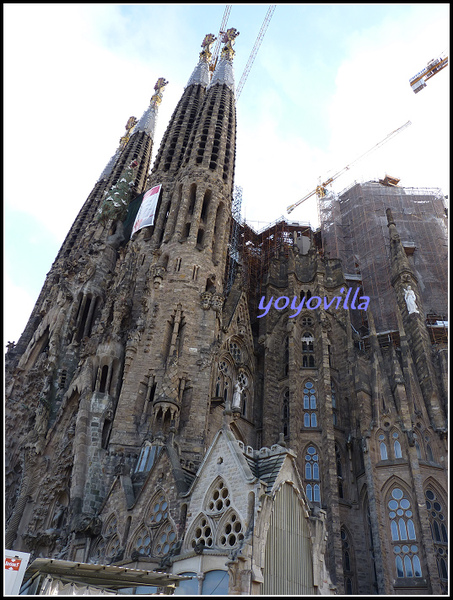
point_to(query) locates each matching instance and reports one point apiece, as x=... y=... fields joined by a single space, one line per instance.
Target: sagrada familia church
x=155 y=419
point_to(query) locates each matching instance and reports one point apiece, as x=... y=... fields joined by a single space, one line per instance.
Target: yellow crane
x=321 y=190
x=418 y=81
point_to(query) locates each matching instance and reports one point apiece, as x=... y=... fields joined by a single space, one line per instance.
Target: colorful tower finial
x=228 y=38
x=148 y=121
x=206 y=44
x=223 y=73
x=200 y=74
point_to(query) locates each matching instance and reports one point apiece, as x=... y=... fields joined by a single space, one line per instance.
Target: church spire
x=174 y=142
x=224 y=73
x=148 y=121
x=200 y=74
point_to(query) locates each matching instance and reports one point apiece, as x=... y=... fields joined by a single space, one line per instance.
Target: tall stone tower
x=156 y=420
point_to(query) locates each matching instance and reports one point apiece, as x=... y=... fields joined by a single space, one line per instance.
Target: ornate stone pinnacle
x=159 y=88
x=228 y=38
x=206 y=44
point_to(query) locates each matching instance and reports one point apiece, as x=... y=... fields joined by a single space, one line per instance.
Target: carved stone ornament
x=217 y=302
x=206 y=300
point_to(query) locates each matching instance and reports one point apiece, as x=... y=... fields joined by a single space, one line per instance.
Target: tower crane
x=215 y=52
x=255 y=49
x=321 y=190
x=259 y=39
x=418 y=81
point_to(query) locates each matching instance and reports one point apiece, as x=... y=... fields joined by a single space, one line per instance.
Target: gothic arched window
x=403 y=535
x=310 y=405
x=383 y=446
x=222 y=386
x=348 y=566
x=438 y=525
x=308 y=358
x=312 y=474
x=396 y=446
x=285 y=413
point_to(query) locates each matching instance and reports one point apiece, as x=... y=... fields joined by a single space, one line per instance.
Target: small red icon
x=12 y=564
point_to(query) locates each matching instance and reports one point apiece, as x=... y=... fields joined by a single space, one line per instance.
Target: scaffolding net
x=354 y=229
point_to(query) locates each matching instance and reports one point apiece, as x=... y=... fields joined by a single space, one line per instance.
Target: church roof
x=266 y=463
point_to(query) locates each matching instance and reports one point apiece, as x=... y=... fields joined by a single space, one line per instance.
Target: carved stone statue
x=237 y=395
x=411 y=301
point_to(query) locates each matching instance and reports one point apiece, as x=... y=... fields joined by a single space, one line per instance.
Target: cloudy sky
x=328 y=83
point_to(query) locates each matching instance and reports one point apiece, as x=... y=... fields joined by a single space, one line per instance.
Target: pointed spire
x=148 y=121
x=200 y=74
x=224 y=72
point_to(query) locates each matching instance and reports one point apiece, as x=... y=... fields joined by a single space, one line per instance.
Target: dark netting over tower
x=354 y=229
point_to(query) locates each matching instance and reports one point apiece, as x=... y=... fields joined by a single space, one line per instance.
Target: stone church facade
x=153 y=419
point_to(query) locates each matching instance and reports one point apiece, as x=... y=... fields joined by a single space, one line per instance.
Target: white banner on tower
x=147 y=210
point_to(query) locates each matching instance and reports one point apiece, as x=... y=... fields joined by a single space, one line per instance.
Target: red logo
x=12 y=564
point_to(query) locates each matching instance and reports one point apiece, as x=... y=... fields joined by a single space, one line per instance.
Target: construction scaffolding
x=255 y=250
x=233 y=254
x=354 y=229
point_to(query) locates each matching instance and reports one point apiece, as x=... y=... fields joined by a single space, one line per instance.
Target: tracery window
x=403 y=535
x=310 y=405
x=312 y=475
x=383 y=446
x=348 y=566
x=157 y=535
x=396 y=446
x=220 y=524
x=235 y=351
x=306 y=321
x=308 y=358
x=285 y=413
x=223 y=381
x=438 y=525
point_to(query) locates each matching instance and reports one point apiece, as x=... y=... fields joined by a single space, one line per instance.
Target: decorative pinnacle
x=206 y=44
x=228 y=38
x=159 y=88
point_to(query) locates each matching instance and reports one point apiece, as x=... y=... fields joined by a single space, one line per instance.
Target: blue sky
x=328 y=83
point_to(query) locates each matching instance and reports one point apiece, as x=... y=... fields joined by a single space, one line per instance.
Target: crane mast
x=255 y=49
x=259 y=39
x=321 y=191
x=215 y=53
